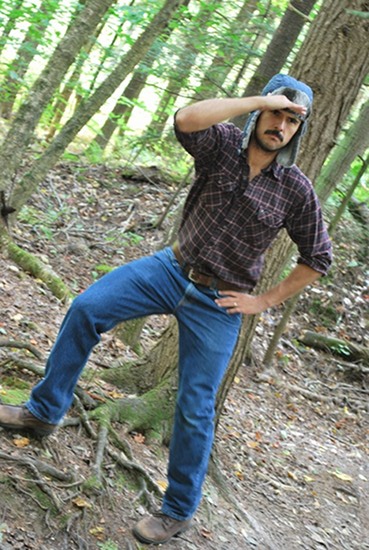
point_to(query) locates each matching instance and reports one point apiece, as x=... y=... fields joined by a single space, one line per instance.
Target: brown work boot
x=19 y=418
x=159 y=528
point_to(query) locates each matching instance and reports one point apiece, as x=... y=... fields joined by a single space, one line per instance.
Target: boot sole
x=163 y=541
x=39 y=433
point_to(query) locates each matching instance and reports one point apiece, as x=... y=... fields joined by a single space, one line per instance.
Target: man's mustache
x=275 y=133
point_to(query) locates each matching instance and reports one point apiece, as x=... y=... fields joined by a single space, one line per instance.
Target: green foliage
x=14 y=396
x=361 y=192
x=361 y=14
x=15 y=383
x=108 y=545
x=43 y=221
x=326 y=314
x=102 y=268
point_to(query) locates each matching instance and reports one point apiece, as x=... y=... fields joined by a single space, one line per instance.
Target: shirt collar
x=274 y=169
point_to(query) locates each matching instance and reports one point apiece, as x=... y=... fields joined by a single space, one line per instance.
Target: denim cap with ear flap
x=297 y=92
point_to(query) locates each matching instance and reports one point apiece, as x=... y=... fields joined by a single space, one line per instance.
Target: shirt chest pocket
x=260 y=225
x=217 y=192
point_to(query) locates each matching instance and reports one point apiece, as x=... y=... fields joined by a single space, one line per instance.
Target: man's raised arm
x=203 y=114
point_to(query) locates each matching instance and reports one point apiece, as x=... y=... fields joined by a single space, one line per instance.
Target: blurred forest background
x=91 y=176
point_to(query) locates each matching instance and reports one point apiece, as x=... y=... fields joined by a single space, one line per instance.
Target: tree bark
x=353 y=144
x=63 y=96
x=181 y=73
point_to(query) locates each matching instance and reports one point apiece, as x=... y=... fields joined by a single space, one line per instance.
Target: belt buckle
x=192 y=276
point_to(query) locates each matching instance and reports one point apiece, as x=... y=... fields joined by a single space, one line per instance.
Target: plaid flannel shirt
x=228 y=222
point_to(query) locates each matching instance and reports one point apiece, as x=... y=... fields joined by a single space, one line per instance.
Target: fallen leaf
x=163 y=484
x=139 y=438
x=115 y=394
x=205 y=533
x=98 y=532
x=21 y=442
x=17 y=317
x=81 y=502
x=308 y=479
x=343 y=477
x=96 y=396
x=258 y=436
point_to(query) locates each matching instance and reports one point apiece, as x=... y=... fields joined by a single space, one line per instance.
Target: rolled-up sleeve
x=307 y=229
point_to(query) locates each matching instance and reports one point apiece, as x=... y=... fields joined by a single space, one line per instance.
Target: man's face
x=275 y=129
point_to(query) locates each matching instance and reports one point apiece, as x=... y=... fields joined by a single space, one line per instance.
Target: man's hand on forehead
x=300 y=116
x=281 y=102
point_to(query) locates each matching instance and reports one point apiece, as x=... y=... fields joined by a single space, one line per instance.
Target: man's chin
x=269 y=148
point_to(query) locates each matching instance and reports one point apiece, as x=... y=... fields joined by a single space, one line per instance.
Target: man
x=247 y=188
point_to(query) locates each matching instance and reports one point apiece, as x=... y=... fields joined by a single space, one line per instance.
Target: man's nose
x=280 y=125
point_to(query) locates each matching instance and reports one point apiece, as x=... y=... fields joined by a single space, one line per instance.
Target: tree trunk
x=123 y=107
x=278 y=50
x=13 y=79
x=21 y=131
x=13 y=19
x=213 y=80
x=28 y=185
x=155 y=380
x=63 y=96
x=353 y=144
x=181 y=73
x=348 y=201
x=336 y=39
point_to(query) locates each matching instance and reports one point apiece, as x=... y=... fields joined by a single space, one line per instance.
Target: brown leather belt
x=199 y=278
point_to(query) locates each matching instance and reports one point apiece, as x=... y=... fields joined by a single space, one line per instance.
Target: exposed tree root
x=107 y=444
x=239 y=510
x=6 y=343
x=16 y=361
x=39 y=466
x=33 y=265
x=102 y=440
x=137 y=468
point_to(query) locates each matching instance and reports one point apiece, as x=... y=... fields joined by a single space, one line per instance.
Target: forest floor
x=290 y=468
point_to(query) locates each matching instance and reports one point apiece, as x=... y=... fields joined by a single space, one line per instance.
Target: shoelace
x=167 y=520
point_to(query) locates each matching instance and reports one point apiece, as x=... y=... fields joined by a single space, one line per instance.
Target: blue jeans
x=207 y=336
